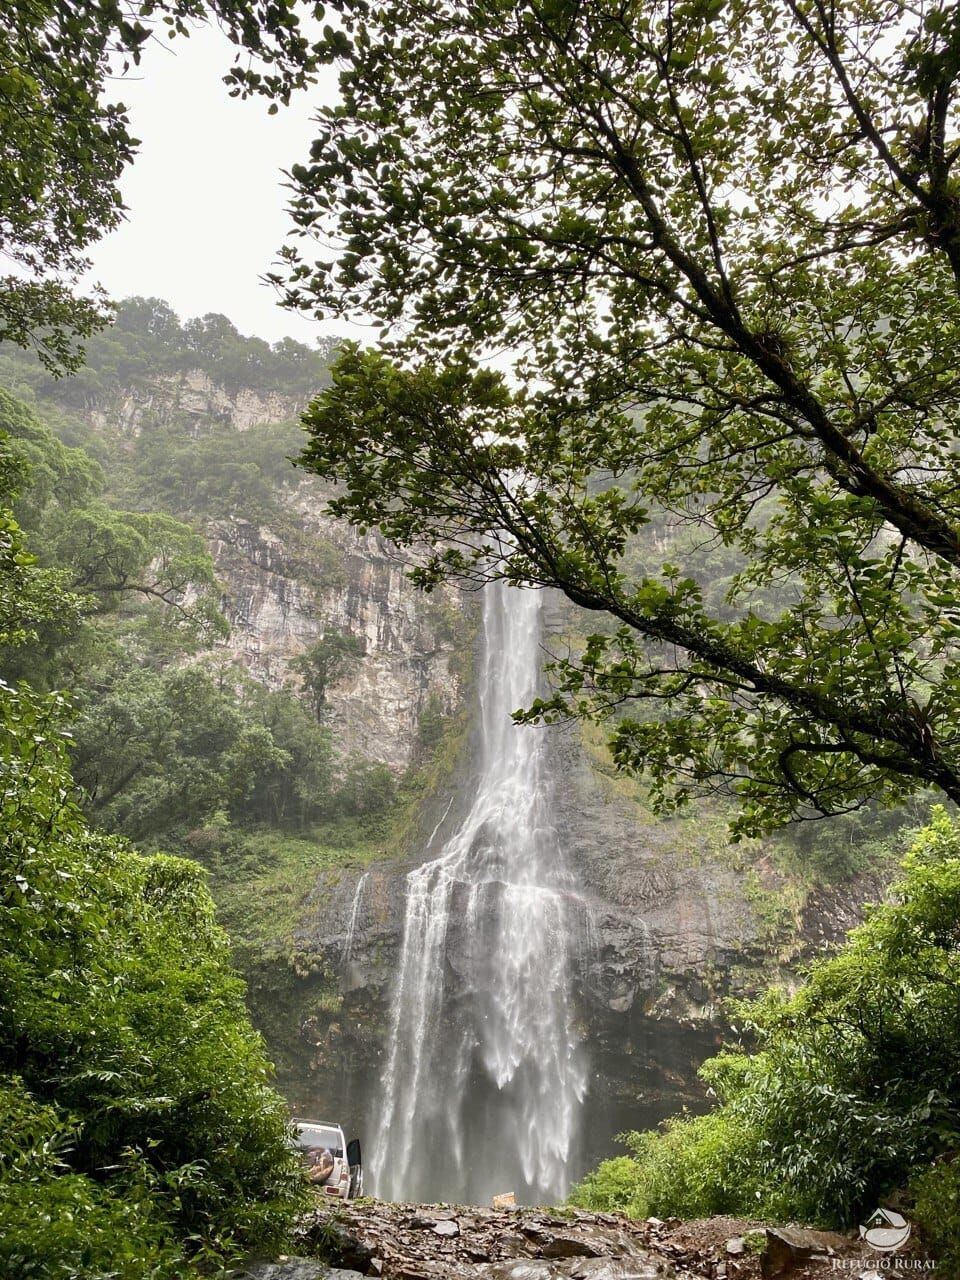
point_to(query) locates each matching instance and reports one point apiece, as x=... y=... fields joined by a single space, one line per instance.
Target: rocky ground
x=444 y=1242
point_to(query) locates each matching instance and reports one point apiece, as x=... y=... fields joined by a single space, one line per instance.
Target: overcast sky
x=205 y=201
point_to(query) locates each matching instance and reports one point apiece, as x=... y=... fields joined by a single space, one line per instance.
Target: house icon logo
x=885 y=1230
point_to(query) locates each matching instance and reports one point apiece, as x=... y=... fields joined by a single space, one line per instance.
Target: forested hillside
x=256 y=689
x=531 y=762
x=221 y=637
x=169 y=732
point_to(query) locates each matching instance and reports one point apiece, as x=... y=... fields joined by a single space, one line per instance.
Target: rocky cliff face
x=280 y=599
x=193 y=397
x=287 y=586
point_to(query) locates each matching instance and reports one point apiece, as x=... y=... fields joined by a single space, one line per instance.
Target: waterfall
x=484 y=1075
x=354 y=917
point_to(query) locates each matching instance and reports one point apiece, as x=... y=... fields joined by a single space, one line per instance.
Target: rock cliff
x=280 y=599
x=193 y=398
x=285 y=587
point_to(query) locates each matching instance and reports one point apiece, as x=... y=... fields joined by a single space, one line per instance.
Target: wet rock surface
x=439 y=1242
x=449 y=1242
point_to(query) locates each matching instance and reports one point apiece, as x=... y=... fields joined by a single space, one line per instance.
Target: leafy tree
x=854 y=1086
x=114 y=552
x=105 y=554
x=66 y=145
x=326 y=662
x=139 y=1126
x=718 y=245
x=295 y=784
x=31 y=597
x=162 y=750
x=368 y=787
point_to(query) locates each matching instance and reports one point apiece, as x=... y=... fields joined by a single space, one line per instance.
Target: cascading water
x=484 y=1075
x=354 y=917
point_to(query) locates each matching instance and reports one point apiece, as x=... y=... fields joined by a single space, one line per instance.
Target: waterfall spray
x=484 y=1074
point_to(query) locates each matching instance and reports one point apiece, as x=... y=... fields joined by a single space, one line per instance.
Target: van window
x=317 y=1135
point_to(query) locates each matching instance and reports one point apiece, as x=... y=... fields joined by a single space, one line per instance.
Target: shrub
x=58 y=1224
x=613 y=1187
x=136 y=1111
x=853 y=1087
x=937 y=1213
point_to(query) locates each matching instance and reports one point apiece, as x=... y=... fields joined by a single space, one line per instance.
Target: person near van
x=320 y=1164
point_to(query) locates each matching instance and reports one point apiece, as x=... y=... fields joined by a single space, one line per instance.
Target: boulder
x=292 y=1269
x=788 y=1247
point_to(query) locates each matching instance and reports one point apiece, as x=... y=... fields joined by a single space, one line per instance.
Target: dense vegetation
x=162 y=748
x=721 y=245
x=147 y=339
x=140 y=1136
x=851 y=1089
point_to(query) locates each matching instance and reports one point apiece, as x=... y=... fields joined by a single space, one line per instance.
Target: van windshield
x=310 y=1136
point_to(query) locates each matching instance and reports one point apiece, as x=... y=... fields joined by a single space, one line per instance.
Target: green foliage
x=58 y=1224
x=936 y=1211
x=148 y=342
x=106 y=555
x=66 y=145
x=126 y=1052
x=220 y=474
x=296 y=786
x=699 y=1166
x=367 y=787
x=729 y=301
x=51 y=473
x=161 y=751
x=157 y=750
x=31 y=598
x=326 y=662
x=853 y=1087
x=613 y=1187
x=431 y=725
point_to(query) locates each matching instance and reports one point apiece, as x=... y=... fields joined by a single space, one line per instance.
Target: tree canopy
x=66 y=142
x=713 y=249
x=104 y=554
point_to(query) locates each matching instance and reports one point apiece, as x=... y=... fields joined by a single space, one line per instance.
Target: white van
x=333 y=1164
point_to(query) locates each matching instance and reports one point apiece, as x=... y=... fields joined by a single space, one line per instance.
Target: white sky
x=204 y=196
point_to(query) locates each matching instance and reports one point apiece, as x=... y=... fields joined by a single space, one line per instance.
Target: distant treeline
x=148 y=337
